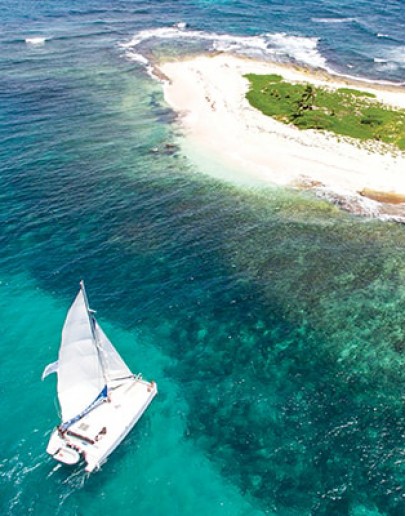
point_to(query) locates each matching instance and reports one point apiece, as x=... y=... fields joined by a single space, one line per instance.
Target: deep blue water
x=272 y=322
x=361 y=38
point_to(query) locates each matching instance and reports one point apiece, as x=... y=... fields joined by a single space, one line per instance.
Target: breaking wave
x=334 y=20
x=390 y=59
x=279 y=47
x=37 y=40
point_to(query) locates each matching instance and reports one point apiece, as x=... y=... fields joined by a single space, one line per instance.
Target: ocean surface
x=271 y=321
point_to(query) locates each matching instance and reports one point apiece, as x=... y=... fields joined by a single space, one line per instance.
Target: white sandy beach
x=208 y=92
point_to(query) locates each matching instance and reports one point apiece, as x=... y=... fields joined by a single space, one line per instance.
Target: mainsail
x=80 y=373
x=87 y=362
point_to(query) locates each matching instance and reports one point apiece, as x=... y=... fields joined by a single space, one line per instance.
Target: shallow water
x=272 y=323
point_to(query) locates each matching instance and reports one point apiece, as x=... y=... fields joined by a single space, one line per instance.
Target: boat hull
x=67 y=455
x=97 y=435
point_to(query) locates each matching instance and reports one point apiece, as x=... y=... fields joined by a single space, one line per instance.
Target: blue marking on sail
x=99 y=398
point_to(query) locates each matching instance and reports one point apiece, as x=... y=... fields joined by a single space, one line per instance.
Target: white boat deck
x=98 y=433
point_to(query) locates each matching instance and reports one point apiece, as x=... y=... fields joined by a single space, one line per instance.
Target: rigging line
x=92 y=322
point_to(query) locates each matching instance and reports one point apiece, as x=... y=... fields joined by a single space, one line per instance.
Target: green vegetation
x=356 y=93
x=345 y=111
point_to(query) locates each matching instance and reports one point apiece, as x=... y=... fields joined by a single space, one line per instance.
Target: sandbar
x=218 y=125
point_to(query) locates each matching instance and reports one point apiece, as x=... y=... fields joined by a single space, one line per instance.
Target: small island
x=248 y=117
x=341 y=111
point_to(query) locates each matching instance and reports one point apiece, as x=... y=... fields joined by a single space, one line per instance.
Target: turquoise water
x=272 y=322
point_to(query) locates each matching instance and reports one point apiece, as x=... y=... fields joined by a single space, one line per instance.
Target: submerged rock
x=363 y=205
x=167 y=149
x=383 y=197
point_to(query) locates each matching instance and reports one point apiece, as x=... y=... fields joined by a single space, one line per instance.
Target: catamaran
x=100 y=398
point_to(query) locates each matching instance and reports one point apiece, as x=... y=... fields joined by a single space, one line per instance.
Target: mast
x=89 y=311
x=95 y=336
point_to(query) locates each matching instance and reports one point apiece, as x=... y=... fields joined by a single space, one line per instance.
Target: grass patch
x=356 y=93
x=345 y=111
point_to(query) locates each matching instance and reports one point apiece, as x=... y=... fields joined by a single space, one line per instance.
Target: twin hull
x=97 y=434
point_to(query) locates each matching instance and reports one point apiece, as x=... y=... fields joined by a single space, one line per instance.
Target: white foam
x=390 y=59
x=163 y=33
x=240 y=44
x=395 y=55
x=138 y=58
x=334 y=20
x=384 y=66
x=302 y=49
x=38 y=40
x=278 y=46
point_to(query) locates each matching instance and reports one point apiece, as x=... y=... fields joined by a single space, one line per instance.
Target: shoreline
x=220 y=129
x=311 y=74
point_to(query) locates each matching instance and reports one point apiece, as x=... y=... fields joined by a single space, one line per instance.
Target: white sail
x=50 y=368
x=80 y=375
x=114 y=366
